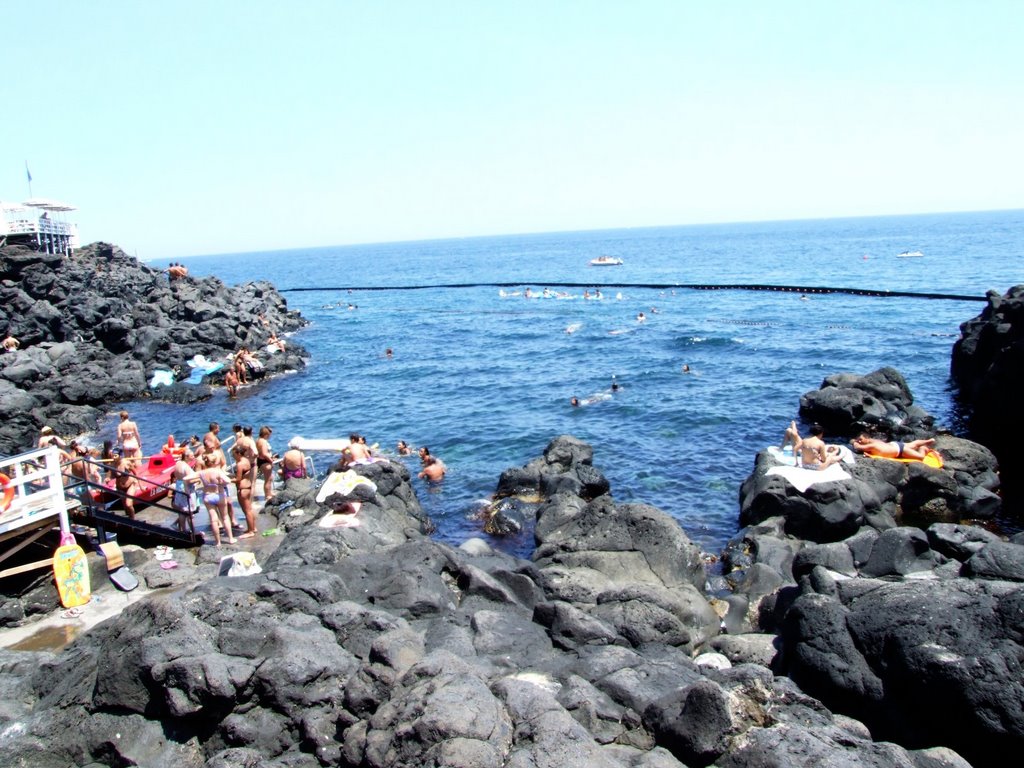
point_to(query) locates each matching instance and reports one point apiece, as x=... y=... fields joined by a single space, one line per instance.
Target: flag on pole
x=28 y=173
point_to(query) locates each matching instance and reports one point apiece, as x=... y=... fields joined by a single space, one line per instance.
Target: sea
x=483 y=375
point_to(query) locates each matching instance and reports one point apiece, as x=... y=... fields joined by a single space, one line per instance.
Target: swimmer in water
x=574 y=402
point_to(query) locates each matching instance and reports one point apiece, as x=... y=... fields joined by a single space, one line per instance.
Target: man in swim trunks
x=433 y=470
x=356 y=451
x=210 y=440
x=915 y=449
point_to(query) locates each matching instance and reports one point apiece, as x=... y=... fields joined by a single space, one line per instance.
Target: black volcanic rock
x=374 y=646
x=95 y=326
x=848 y=403
x=988 y=367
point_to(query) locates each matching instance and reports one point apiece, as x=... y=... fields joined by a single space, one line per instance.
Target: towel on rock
x=802 y=479
x=343 y=483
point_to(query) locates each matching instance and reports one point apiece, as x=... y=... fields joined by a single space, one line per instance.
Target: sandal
x=72 y=613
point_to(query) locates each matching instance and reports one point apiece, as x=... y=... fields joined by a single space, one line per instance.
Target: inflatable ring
x=8 y=489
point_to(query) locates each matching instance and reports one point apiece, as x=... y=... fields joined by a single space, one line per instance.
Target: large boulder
x=922 y=662
x=988 y=366
x=849 y=403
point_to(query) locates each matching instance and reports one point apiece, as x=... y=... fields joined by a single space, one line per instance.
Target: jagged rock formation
x=889 y=609
x=94 y=326
x=374 y=646
x=988 y=367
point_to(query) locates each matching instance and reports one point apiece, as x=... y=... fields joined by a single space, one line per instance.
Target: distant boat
x=606 y=261
x=909 y=255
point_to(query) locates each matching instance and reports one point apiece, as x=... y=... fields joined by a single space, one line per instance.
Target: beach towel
x=343 y=483
x=802 y=479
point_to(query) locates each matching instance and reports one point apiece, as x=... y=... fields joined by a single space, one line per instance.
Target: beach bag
x=239 y=564
x=183 y=500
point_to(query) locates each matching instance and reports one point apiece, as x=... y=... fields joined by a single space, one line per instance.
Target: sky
x=183 y=128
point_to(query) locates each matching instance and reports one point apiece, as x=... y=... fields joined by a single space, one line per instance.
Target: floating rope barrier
x=801 y=289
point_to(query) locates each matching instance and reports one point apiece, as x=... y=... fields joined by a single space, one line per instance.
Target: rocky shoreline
x=95 y=326
x=858 y=622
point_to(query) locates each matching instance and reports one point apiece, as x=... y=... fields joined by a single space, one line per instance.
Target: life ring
x=8 y=497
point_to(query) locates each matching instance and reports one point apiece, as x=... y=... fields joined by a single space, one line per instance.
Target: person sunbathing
x=812 y=451
x=892 y=449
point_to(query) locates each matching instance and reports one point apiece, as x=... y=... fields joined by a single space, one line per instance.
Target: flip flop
x=168 y=565
x=72 y=613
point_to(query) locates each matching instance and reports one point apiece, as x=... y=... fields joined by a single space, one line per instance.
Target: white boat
x=909 y=255
x=606 y=261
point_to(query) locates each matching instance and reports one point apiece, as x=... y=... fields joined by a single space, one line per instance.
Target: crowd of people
x=203 y=475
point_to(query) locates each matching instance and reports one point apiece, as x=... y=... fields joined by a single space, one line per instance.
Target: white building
x=40 y=224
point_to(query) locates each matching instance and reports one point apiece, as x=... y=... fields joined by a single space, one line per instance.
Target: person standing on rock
x=231 y=382
x=215 y=496
x=243 y=488
x=128 y=484
x=129 y=438
x=265 y=461
x=184 y=479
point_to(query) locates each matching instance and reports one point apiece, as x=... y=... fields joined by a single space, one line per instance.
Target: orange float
x=8 y=491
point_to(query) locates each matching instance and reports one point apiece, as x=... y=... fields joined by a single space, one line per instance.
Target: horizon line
x=354 y=244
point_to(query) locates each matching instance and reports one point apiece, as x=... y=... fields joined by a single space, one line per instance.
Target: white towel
x=802 y=479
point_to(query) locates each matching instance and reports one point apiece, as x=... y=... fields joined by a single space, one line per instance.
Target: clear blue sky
x=186 y=127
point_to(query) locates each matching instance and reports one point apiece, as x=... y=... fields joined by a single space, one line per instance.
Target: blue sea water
x=485 y=380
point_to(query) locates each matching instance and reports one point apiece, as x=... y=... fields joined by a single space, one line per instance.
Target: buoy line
x=802 y=289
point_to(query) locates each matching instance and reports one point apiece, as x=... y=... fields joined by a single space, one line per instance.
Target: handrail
x=120 y=495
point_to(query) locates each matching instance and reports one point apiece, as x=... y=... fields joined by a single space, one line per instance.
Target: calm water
x=485 y=381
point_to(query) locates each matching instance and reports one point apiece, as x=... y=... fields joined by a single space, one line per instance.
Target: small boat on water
x=909 y=255
x=606 y=261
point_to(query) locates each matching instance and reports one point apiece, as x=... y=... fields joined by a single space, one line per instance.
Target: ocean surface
x=485 y=378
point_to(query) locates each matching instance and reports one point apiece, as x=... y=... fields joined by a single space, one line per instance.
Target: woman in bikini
x=215 y=496
x=243 y=488
x=128 y=484
x=128 y=437
x=265 y=461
